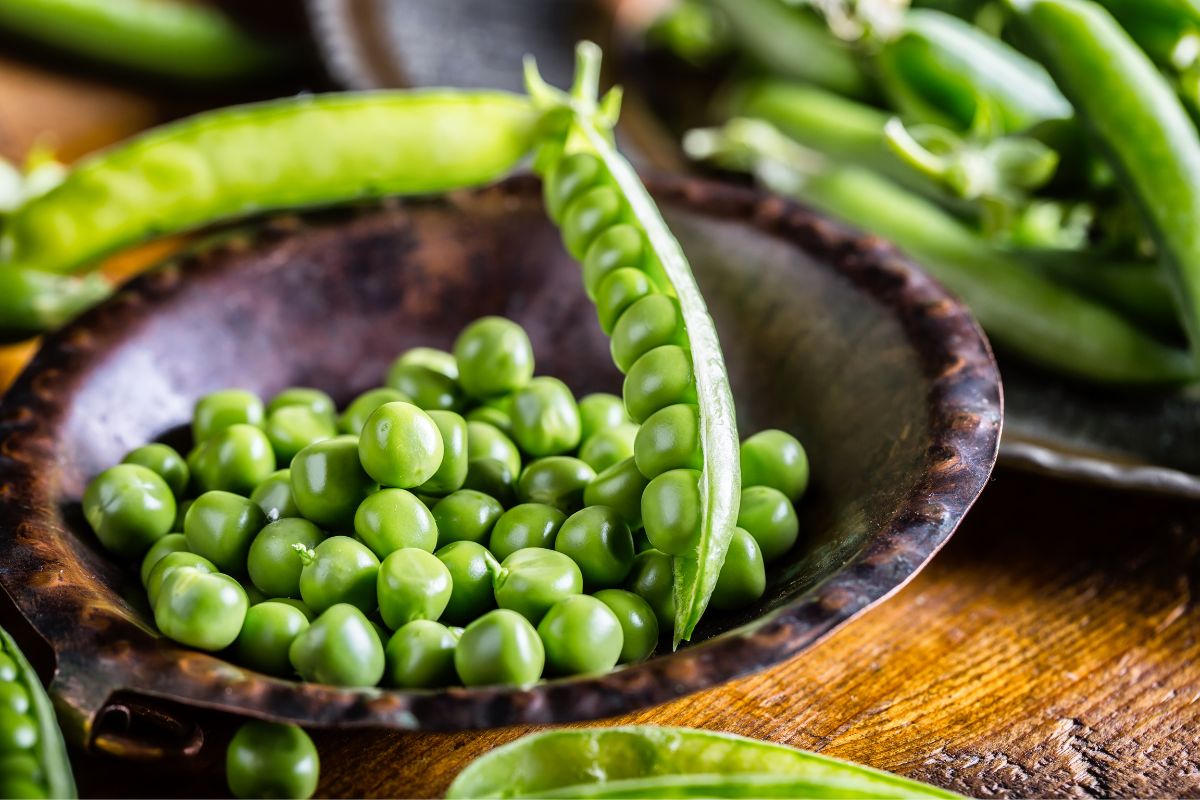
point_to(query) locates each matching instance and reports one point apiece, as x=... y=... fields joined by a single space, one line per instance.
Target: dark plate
x=827 y=334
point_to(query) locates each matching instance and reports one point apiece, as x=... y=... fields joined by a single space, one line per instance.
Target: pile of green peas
x=466 y=523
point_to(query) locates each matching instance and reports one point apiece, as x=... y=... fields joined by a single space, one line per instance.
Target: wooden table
x=1051 y=649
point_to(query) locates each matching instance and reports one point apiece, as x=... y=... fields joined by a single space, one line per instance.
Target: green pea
x=466 y=515
x=24 y=788
x=671 y=511
x=472 y=572
x=452 y=471
x=274 y=496
x=218 y=410
x=658 y=379
x=617 y=247
x=496 y=417
x=290 y=429
x=166 y=462
x=270 y=759
x=439 y=361
x=413 y=584
x=652 y=321
x=488 y=441
x=493 y=478
x=14 y=697
x=494 y=357
x=355 y=416
x=171 y=543
x=420 y=655
x=8 y=668
x=571 y=176
x=557 y=481
x=18 y=732
x=617 y=292
x=581 y=636
x=267 y=635
x=314 y=400
x=340 y=648
x=743 y=578
x=400 y=446
x=769 y=516
x=619 y=487
x=587 y=215
x=597 y=539
x=669 y=439
x=639 y=625
x=427 y=388
x=600 y=411
x=329 y=483
x=236 y=459
x=220 y=526
x=168 y=564
x=296 y=604
x=272 y=561
x=533 y=579
x=129 y=507
x=339 y=570
x=201 y=609
x=392 y=519
x=607 y=447
x=500 y=648
x=545 y=418
x=525 y=525
x=652 y=578
x=777 y=459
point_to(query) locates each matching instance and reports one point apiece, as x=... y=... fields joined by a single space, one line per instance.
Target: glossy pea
x=619 y=487
x=440 y=361
x=267 y=635
x=610 y=446
x=166 y=462
x=557 y=481
x=498 y=418
x=466 y=515
x=426 y=387
x=571 y=176
x=171 y=543
x=669 y=439
x=769 y=516
x=652 y=578
x=392 y=519
x=597 y=539
x=338 y=570
x=129 y=507
x=218 y=410
x=533 y=579
x=361 y=407
x=329 y=483
x=618 y=291
x=452 y=471
x=494 y=357
x=587 y=215
x=235 y=459
x=400 y=446
x=775 y=458
x=472 y=572
x=500 y=648
x=168 y=564
x=314 y=400
x=271 y=759
x=14 y=697
x=545 y=418
x=201 y=609
x=639 y=625
x=420 y=655
x=412 y=584
x=274 y=496
x=18 y=732
x=617 y=247
x=652 y=321
x=272 y=561
x=291 y=428
x=581 y=636
x=658 y=379
x=743 y=578
x=340 y=648
x=671 y=511
x=493 y=478
x=220 y=526
x=525 y=525
x=600 y=411
x=487 y=441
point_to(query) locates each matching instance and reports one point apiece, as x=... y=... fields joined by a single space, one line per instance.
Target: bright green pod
x=545 y=418
x=28 y=700
x=619 y=487
x=660 y=378
x=671 y=510
x=355 y=416
x=571 y=176
x=589 y=214
x=618 y=291
x=669 y=439
x=164 y=460
x=610 y=446
x=617 y=247
x=652 y=321
x=558 y=481
x=494 y=357
x=291 y=428
x=218 y=410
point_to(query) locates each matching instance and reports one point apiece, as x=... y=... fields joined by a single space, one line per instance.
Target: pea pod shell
x=51 y=749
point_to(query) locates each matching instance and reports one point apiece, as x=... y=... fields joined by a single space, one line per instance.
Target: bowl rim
x=964 y=403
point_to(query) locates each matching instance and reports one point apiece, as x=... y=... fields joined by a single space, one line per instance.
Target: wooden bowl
x=827 y=334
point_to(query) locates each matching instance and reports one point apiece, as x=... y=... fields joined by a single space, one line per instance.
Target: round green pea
x=130 y=507
x=671 y=511
x=619 y=487
x=218 y=410
x=496 y=417
x=652 y=321
x=267 y=635
x=487 y=441
x=439 y=361
x=500 y=648
x=314 y=400
x=525 y=525
x=236 y=459
x=274 y=496
x=466 y=515
x=545 y=418
x=618 y=291
x=533 y=579
x=394 y=518
x=420 y=655
x=494 y=357
x=600 y=411
x=769 y=516
x=427 y=387
x=296 y=604
x=340 y=648
x=171 y=543
x=292 y=428
x=652 y=578
x=660 y=378
x=400 y=446
x=338 y=570
x=472 y=572
x=201 y=609
x=18 y=732
x=270 y=759
x=581 y=636
x=168 y=564
x=777 y=459
x=493 y=478
x=14 y=697
x=452 y=471
x=639 y=625
x=8 y=668
x=669 y=439
x=569 y=177
x=617 y=247
x=272 y=562
x=413 y=584
x=220 y=526
x=166 y=462
x=587 y=215
x=355 y=416
x=743 y=578
x=597 y=539
x=607 y=447
x=557 y=481
x=329 y=483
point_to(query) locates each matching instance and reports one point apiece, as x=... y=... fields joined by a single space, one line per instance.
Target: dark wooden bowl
x=827 y=334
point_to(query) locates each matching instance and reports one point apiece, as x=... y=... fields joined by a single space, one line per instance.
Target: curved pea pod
x=34 y=731
x=650 y=761
x=32 y=301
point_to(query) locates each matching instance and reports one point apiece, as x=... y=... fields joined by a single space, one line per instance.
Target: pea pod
x=32 y=730
x=33 y=301
x=692 y=372
x=651 y=761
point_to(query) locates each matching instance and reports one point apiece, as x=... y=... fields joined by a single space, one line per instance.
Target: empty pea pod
x=33 y=756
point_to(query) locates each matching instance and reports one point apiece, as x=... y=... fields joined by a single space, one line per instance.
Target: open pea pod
x=650 y=761
x=663 y=337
